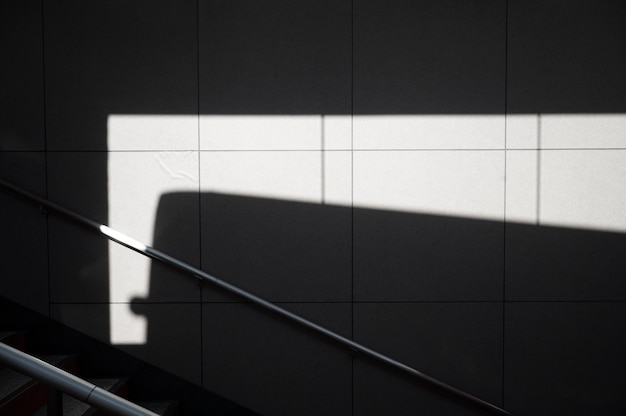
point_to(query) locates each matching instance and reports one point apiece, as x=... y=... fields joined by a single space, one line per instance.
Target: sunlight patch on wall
x=310 y=159
x=566 y=131
x=334 y=159
x=419 y=132
x=139 y=173
x=568 y=188
x=462 y=184
x=137 y=180
x=136 y=183
x=152 y=132
x=274 y=132
x=567 y=170
x=311 y=177
x=277 y=156
x=564 y=170
x=334 y=132
x=127 y=327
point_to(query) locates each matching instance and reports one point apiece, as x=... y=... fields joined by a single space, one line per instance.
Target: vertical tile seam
x=200 y=287
x=45 y=146
x=504 y=231
x=352 y=199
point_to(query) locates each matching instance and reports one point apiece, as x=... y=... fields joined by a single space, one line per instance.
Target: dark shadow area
x=404 y=57
x=427 y=291
x=22 y=88
x=23 y=244
x=566 y=59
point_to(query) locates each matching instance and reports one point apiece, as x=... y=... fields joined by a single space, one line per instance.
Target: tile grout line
x=45 y=138
x=200 y=286
x=572 y=149
x=374 y=302
x=352 y=401
x=504 y=231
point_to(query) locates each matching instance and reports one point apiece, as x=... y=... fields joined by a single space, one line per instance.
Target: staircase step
x=20 y=394
x=74 y=407
x=151 y=387
x=11 y=382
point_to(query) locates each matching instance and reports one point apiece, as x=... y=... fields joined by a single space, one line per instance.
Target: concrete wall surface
x=443 y=181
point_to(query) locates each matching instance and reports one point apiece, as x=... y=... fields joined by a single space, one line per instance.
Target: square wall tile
x=422 y=131
x=289 y=176
x=91 y=319
x=171 y=333
x=79 y=257
x=566 y=131
x=275 y=132
x=279 y=250
x=564 y=264
x=153 y=198
x=428 y=225
x=24 y=248
x=429 y=58
x=127 y=58
x=583 y=189
x=564 y=358
x=21 y=93
x=275 y=57
x=271 y=366
x=417 y=257
x=565 y=236
x=465 y=184
x=458 y=343
x=379 y=390
x=79 y=263
x=79 y=181
x=583 y=131
x=566 y=60
x=136 y=197
x=261 y=132
x=580 y=189
x=265 y=227
x=152 y=132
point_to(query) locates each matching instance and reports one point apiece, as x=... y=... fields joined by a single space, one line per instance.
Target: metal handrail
x=69 y=383
x=203 y=276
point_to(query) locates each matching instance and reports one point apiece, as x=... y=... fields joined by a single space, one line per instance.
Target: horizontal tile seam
x=320 y=150
x=339 y=302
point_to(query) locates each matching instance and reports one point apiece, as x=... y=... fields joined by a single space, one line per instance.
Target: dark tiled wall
x=508 y=306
